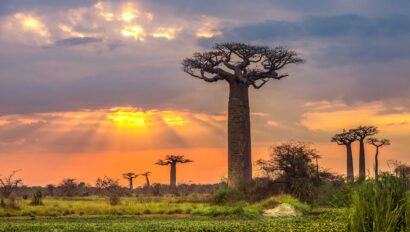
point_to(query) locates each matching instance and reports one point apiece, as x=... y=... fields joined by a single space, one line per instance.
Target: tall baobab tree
x=362 y=132
x=146 y=174
x=346 y=138
x=241 y=66
x=130 y=176
x=172 y=160
x=377 y=143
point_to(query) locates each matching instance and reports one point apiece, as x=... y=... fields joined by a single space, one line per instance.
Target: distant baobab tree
x=148 y=187
x=130 y=176
x=362 y=132
x=346 y=138
x=377 y=143
x=241 y=66
x=172 y=160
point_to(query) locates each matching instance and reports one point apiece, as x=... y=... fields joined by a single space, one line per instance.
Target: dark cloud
x=77 y=41
x=13 y=6
x=348 y=25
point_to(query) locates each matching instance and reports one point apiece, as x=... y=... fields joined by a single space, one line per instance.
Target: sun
x=127 y=117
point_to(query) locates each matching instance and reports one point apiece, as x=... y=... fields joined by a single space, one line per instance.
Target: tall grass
x=380 y=206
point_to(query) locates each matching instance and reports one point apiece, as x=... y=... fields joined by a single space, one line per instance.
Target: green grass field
x=192 y=213
x=316 y=221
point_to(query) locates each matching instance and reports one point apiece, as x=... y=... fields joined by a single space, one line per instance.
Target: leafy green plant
x=114 y=199
x=37 y=198
x=379 y=205
x=226 y=195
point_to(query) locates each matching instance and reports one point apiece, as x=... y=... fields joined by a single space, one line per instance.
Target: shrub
x=114 y=199
x=339 y=198
x=12 y=204
x=226 y=195
x=37 y=198
x=379 y=205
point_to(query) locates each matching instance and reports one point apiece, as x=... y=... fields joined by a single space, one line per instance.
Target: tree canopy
x=248 y=64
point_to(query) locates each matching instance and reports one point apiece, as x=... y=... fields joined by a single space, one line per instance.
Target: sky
x=93 y=88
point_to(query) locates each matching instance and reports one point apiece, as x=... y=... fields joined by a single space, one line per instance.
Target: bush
x=379 y=205
x=226 y=195
x=340 y=197
x=37 y=198
x=114 y=199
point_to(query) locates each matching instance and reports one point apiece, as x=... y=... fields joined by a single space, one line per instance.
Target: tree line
x=361 y=134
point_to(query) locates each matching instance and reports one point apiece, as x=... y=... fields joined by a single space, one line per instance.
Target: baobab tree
x=172 y=160
x=362 y=132
x=130 y=176
x=346 y=138
x=241 y=66
x=146 y=174
x=377 y=143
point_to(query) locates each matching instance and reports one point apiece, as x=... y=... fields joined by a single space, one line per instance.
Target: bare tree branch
x=249 y=63
x=170 y=159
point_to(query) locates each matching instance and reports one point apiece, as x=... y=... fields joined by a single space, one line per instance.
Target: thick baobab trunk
x=239 y=136
x=362 y=164
x=376 y=164
x=131 y=187
x=148 y=190
x=350 y=173
x=173 y=179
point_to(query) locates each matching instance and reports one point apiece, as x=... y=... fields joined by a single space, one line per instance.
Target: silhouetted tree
x=130 y=176
x=240 y=65
x=173 y=160
x=70 y=187
x=377 y=143
x=147 y=186
x=292 y=163
x=402 y=170
x=109 y=187
x=8 y=184
x=50 y=189
x=346 y=138
x=362 y=132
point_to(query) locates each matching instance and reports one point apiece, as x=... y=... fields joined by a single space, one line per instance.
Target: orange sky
x=89 y=144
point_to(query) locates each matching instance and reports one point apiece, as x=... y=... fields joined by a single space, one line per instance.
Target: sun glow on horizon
x=128 y=117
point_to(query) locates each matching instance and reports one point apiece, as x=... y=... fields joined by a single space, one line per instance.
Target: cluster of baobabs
x=171 y=160
x=362 y=134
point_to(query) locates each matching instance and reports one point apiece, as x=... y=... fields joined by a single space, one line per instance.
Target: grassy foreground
x=318 y=220
x=168 y=205
x=192 y=213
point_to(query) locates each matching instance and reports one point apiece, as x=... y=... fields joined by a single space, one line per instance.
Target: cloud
x=376 y=113
x=322 y=27
x=77 y=41
x=124 y=129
